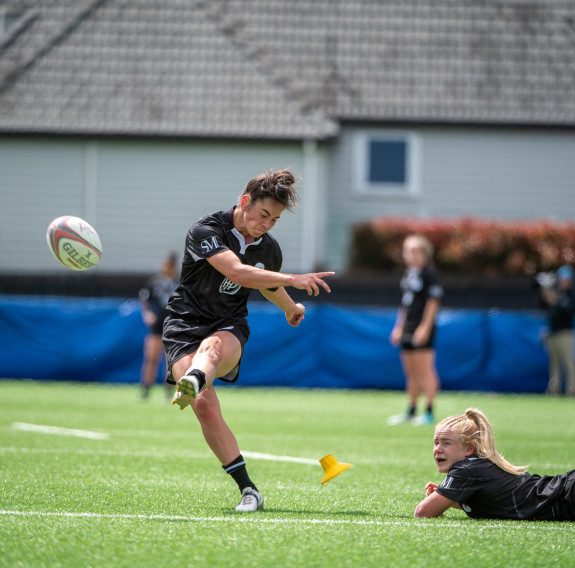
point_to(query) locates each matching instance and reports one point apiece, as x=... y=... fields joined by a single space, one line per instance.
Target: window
x=387 y=163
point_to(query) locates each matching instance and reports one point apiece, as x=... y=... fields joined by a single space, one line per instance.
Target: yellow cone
x=331 y=467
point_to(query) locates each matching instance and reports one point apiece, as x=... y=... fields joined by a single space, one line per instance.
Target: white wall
x=493 y=173
x=141 y=196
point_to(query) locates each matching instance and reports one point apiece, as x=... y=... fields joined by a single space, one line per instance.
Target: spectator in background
x=414 y=330
x=154 y=297
x=559 y=298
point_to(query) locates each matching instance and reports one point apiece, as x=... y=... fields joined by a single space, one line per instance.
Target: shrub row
x=469 y=245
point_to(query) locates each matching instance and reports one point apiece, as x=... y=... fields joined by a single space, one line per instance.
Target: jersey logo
x=407 y=298
x=436 y=291
x=229 y=287
x=209 y=244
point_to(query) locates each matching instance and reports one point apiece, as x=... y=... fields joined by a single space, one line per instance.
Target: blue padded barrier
x=334 y=347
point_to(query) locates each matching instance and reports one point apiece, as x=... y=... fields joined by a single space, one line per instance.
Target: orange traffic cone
x=331 y=467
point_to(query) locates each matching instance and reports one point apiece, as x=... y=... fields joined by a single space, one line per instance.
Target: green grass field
x=148 y=492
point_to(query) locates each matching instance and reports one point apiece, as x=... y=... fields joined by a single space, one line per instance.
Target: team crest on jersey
x=229 y=287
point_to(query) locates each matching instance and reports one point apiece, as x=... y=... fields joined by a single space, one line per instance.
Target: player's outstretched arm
x=311 y=282
x=248 y=276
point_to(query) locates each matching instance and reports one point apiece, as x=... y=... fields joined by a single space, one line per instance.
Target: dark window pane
x=387 y=161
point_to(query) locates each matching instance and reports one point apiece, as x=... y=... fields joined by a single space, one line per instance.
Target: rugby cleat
x=181 y=400
x=189 y=386
x=251 y=501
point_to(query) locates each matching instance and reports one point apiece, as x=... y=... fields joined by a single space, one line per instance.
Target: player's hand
x=294 y=317
x=430 y=488
x=420 y=335
x=149 y=318
x=311 y=282
x=395 y=337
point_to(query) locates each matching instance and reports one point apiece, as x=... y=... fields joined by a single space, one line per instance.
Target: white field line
x=55 y=430
x=425 y=524
x=385 y=461
x=233 y=518
x=102 y=436
x=271 y=457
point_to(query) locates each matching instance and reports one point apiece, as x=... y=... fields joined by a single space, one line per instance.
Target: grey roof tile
x=284 y=69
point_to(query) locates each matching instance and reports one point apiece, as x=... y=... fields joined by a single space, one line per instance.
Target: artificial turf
x=144 y=490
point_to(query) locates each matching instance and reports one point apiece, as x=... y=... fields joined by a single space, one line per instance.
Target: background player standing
x=559 y=297
x=228 y=254
x=414 y=329
x=154 y=297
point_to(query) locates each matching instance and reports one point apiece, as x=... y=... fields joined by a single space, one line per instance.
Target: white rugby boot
x=251 y=501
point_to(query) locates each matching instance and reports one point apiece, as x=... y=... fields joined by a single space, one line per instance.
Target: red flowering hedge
x=468 y=245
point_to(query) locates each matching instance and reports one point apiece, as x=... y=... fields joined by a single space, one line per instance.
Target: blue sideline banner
x=334 y=347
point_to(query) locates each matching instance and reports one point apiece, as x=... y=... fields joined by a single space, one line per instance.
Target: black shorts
x=408 y=345
x=181 y=337
x=158 y=326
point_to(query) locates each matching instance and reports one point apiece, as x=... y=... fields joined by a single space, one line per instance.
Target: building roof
x=282 y=69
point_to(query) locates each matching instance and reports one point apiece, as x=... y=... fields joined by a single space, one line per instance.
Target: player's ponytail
x=474 y=429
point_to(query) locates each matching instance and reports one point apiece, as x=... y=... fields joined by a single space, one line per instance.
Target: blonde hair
x=474 y=429
x=423 y=243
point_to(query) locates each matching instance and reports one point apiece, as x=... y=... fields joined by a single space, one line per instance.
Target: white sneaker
x=424 y=420
x=399 y=419
x=251 y=501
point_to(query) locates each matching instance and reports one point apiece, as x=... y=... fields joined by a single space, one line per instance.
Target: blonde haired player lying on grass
x=484 y=484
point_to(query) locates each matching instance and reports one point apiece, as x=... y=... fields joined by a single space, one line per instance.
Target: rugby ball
x=74 y=243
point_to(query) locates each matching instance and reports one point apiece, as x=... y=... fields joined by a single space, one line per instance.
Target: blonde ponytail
x=474 y=429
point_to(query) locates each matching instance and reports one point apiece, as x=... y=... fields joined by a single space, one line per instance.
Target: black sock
x=237 y=469
x=430 y=408
x=411 y=410
x=201 y=376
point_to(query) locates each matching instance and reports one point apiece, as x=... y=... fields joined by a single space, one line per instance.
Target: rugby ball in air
x=74 y=243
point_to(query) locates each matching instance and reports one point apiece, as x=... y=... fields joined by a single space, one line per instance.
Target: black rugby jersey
x=417 y=286
x=204 y=294
x=561 y=314
x=157 y=292
x=485 y=491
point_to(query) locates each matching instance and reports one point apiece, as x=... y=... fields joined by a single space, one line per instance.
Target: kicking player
x=484 y=484
x=227 y=254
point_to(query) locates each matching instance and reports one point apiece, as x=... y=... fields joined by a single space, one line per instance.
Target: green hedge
x=469 y=245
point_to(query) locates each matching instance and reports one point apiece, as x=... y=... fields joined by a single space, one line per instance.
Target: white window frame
x=363 y=186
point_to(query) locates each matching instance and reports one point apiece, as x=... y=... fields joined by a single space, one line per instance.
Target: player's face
x=448 y=448
x=413 y=254
x=259 y=216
